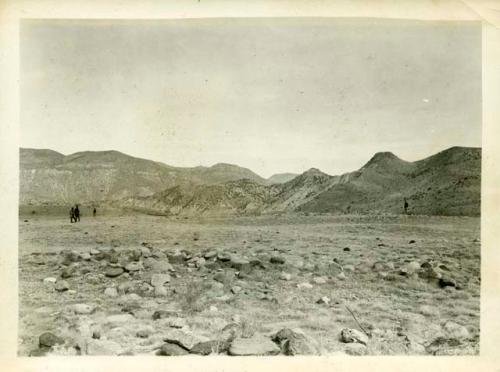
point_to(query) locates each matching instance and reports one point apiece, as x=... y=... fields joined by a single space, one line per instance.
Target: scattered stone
x=160 y=291
x=103 y=347
x=86 y=256
x=455 y=330
x=176 y=257
x=160 y=314
x=319 y=280
x=304 y=285
x=157 y=280
x=295 y=342
x=61 y=286
x=324 y=300
x=411 y=241
x=119 y=319
x=210 y=347
x=68 y=272
x=347 y=249
x=113 y=272
x=213 y=308
x=174 y=322
x=199 y=262
x=83 y=308
x=236 y=289
x=278 y=260
x=444 y=267
x=341 y=276
x=222 y=277
x=383 y=266
x=144 y=332
x=134 y=266
x=447 y=282
x=49 y=280
x=169 y=349
x=224 y=257
x=210 y=254
x=428 y=310
x=285 y=276
x=111 y=292
x=240 y=264
x=355 y=349
x=256 y=345
x=182 y=338
x=349 y=335
x=49 y=339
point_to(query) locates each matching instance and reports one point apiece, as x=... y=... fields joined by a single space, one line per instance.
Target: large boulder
x=349 y=335
x=49 y=339
x=256 y=345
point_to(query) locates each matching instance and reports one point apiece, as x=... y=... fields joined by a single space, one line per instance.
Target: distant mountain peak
x=314 y=172
x=384 y=158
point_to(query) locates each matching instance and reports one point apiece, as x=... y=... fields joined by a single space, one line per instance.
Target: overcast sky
x=273 y=95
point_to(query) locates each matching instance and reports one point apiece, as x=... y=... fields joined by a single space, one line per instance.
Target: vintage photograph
x=249 y=187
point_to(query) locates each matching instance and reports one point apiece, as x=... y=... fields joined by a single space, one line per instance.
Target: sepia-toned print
x=249 y=187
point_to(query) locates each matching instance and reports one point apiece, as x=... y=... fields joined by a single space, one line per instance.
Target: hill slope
x=48 y=177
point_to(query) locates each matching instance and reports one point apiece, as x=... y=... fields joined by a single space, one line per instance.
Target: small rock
x=295 y=342
x=169 y=349
x=210 y=347
x=49 y=280
x=119 y=319
x=103 y=347
x=161 y=291
x=411 y=241
x=160 y=314
x=61 y=286
x=349 y=335
x=224 y=257
x=182 y=338
x=285 y=276
x=113 y=272
x=355 y=349
x=304 y=285
x=134 y=266
x=157 y=280
x=240 y=264
x=94 y=251
x=256 y=345
x=68 y=272
x=278 y=260
x=111 y=292
x=324 y=300
x=213 y=308
x=236 y=289
x=49 y=339
x=455 y=330
x=83 y=308
x=341 y=276
x=210 y=254
x=319 y=280
x=144 y=332
x=447 y=282
x=347 y=249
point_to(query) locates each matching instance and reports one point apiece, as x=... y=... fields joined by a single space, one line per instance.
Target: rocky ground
x=290 y=285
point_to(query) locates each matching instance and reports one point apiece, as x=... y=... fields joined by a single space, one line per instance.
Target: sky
x=271 y=94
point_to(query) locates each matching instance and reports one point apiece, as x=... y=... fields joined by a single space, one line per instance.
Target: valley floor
x=412 y=282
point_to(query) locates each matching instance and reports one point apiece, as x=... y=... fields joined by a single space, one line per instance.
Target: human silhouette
x=94 y=212
x=72 y=214
x=77 y=213
x=406 y=206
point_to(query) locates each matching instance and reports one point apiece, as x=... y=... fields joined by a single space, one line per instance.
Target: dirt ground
x=278 y=268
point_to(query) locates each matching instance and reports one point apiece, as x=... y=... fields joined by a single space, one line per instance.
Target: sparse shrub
x=193 y=299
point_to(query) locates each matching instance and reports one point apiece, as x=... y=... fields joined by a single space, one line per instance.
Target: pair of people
x=74 y=214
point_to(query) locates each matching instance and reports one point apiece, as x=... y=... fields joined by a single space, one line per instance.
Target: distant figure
x=94 y=212
x=406 y=206
x=77 y=214
x=72 y=214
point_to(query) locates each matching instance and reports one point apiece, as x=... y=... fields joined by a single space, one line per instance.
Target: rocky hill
x=281 y=178
x=448 y=183
x=48 y=177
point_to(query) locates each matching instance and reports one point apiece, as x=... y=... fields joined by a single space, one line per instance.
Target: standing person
x=72 y=214
x=406 y=206
x=94 y=212
x=77 y=214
